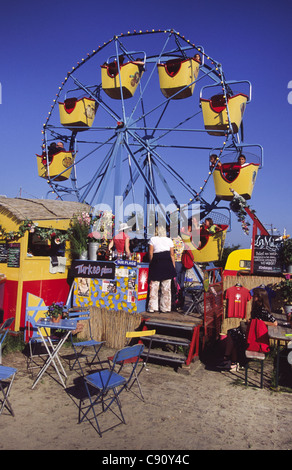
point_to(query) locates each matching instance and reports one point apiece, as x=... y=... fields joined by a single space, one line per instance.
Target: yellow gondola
x=178 y=74
x=130 y=72
x=77 y=114
x=215 y=113
x=240 y=178
x=210 y=247
x=59 y=162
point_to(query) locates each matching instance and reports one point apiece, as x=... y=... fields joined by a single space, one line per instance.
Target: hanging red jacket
x=257 y=336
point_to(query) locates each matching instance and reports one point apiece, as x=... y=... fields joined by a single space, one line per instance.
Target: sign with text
x=13 y=255
x=3 y=252
x=93 y=269
x=266 y=254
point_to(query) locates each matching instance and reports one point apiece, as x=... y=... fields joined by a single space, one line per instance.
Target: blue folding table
x=53 y=348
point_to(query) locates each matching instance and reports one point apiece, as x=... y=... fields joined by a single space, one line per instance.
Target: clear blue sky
x=41 y=41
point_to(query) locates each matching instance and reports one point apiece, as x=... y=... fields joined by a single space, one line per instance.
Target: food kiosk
x=28 y=263
x=114 y=285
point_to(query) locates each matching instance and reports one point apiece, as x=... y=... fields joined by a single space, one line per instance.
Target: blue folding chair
x=3 y=333
x=142 y=363
x=109 y=384
x=7 y=375
x=35 y=309
x=80 y=346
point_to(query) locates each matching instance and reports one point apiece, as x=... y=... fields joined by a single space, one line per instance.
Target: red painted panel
x=10 y=299
x=49 y=290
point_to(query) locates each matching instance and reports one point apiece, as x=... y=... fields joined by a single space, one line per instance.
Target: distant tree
x=226 y=252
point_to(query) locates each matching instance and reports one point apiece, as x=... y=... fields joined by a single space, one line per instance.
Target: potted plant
x=284 y=288
x=93 y=244
x=79 y=229
x=56 y=311
x=286 y=254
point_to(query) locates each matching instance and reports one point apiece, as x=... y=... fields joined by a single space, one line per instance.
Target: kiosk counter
x=114 y=285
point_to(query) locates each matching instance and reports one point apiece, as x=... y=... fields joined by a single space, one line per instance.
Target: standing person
x=161 y=271
x=121 y=241
x=178 y=247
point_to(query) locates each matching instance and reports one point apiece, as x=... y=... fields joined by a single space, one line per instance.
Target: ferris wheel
x=139 y=118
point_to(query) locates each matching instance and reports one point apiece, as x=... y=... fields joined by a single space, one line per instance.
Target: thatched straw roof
x=20 y=209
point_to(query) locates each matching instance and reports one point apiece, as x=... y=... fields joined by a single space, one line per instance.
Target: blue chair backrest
x=35 y=309
x=4 y=329
x=128 y=353
x=79 y=315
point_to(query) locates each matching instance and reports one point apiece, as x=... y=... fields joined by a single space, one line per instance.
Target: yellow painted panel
x=243 y=184
x=77 y=113
x=130 y=72
x=216 y=118
x=60 y=162
x=176 y=75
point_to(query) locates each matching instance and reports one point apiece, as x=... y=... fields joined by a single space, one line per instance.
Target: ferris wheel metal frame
x=132 y=140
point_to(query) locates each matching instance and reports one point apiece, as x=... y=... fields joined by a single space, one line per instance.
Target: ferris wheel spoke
x=149 y=80
x=165 y=165
x=99 y=174
x=100 y=102
x=148 y=185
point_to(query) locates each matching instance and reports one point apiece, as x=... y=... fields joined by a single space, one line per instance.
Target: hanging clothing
x=237 y=297
x=178 y=248
x=257 y=336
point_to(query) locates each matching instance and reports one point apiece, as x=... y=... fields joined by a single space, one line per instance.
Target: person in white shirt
x=161 y=271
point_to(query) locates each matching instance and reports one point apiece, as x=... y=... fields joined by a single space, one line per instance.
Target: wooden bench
x=258 y=357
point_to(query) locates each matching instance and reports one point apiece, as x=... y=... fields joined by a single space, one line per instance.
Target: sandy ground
x=204 y=409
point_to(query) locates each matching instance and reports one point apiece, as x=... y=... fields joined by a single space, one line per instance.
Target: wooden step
x=172 y=318
x=163 y=339
x=165 y=356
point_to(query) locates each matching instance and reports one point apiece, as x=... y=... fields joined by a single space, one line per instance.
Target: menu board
x=266 y=254
x=93 y=269
x=3 y=252
x=13 y=255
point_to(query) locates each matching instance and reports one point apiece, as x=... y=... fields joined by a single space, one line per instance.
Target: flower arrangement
x=78 y=233
x=237 y=205
x=57 y=310
x=94 y=237
x=102 y=226
x=43 y=233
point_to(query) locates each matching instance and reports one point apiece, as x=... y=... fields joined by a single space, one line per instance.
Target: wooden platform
x=175 y=331
x=174 y=318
